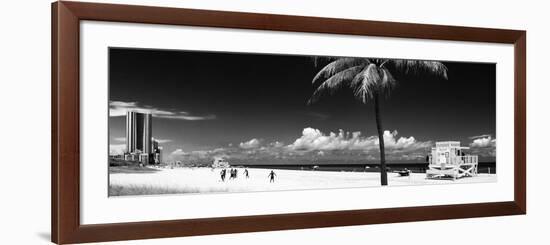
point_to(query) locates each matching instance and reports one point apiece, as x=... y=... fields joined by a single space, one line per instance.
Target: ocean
x=483 y=167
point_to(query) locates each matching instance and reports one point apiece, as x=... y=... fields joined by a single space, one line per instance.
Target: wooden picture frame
x=65 y=169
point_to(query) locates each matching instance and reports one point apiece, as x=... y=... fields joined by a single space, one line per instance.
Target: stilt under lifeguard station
x=448 y=159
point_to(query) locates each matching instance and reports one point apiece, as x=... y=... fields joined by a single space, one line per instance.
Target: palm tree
x=369 y=79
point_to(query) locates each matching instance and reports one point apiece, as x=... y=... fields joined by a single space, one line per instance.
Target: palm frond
x=337 y=66
x=366 y=82
x=335 y=82
x=416 y=66
x=387 y=82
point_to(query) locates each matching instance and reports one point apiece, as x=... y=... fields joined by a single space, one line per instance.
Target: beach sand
x=207 y=180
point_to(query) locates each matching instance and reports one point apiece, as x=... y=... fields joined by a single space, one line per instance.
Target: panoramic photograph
x=196 y=122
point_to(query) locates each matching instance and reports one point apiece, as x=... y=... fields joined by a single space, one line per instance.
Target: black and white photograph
x=275 y=122
x=196 y=122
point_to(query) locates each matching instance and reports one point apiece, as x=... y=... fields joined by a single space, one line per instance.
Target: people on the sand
x=232 y=173
x=272 y=176
x=222 y=174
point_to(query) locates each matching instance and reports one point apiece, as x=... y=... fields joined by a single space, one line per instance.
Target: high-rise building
x=156 y=152
x=139 y=132
x=154 y=146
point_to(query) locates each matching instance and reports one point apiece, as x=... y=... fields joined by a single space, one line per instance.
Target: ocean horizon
x=415 y=167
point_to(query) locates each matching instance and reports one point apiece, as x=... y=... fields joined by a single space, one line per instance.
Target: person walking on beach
x=246 y=173
x=271 y=176
x=222 y=175
x=232 y=174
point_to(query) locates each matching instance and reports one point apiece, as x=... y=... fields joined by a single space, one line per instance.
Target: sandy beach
x=207 y=180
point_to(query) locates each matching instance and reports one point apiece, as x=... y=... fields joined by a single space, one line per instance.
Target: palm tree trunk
x=383 y=171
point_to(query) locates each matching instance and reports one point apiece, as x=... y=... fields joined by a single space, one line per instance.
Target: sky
x=253 y=108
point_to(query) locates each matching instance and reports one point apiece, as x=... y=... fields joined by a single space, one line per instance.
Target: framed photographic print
x=177 y=122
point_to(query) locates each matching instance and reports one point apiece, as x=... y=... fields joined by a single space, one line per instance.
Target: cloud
x=198 y=155
x=315 y=144
x=117 y=149
x=178 y=152
x=251 y=144
x=313 y=139
x=163 y=141
x=119 y=108
x=277 y=144
x=483 y=146
x=479 y=136
x=403 y=143
x=481 y=142
x=122 y=104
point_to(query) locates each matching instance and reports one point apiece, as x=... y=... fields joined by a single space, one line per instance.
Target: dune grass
x=133 y=190
x=137 y=190
x=131 y=170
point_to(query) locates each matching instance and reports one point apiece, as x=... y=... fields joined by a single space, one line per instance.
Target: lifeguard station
x=220 y=162
x=449 y=160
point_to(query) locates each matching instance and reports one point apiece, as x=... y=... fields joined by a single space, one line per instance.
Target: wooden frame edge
x=54 y=138
x=211 y=226
x=292 y=23
x=520 y=122
x=65 y=127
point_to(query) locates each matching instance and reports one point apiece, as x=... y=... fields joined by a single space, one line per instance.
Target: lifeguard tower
x=448 y=159
x=220 y=162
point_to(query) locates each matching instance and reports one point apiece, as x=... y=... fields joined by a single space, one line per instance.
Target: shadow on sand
x=131 y=170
